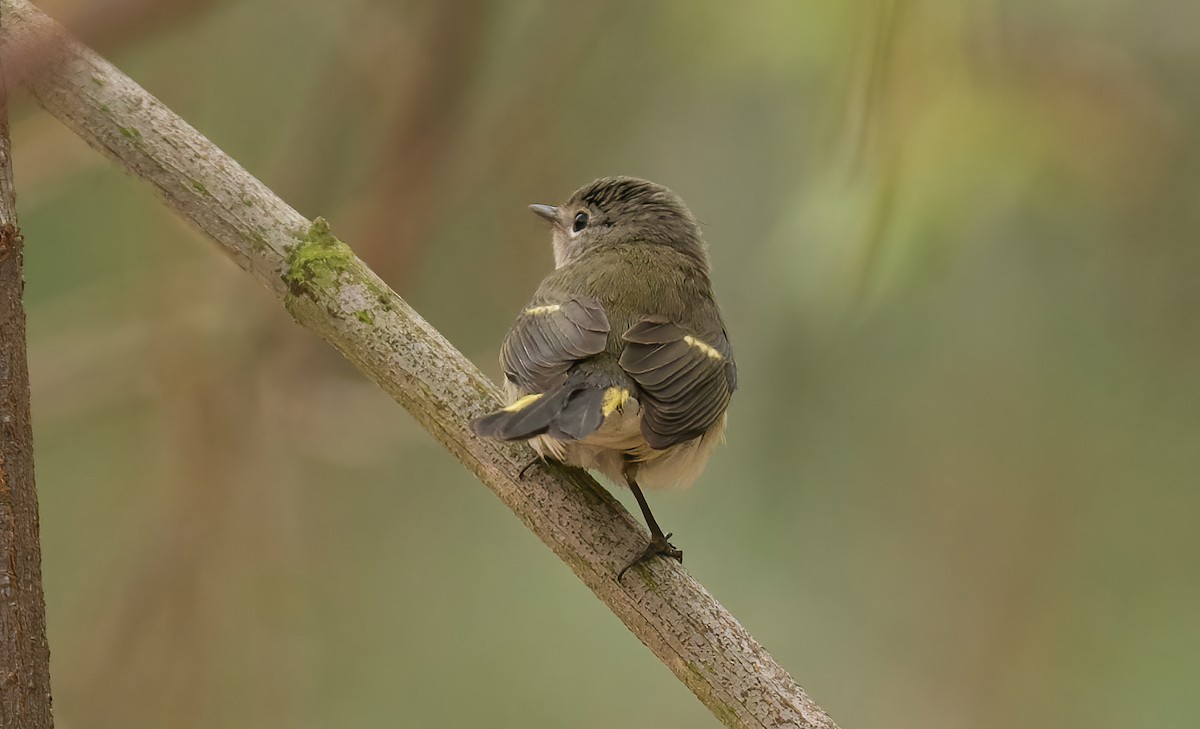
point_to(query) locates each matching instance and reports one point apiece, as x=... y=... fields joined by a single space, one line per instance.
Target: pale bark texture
x=328 y=289
x=24 y=653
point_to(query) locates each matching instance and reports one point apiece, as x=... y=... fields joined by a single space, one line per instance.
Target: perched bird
x=620 y=362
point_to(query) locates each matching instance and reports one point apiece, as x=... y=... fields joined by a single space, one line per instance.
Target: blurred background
x=956 y=244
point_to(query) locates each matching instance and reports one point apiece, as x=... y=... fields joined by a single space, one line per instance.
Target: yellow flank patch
x=523 y=403
x=614 y=399
x=548 y=309
x=708 y=350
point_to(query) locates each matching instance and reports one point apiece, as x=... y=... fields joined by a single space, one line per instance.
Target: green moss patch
x=318 y=261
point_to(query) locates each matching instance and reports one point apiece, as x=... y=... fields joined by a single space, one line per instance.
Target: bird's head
x=621 y=210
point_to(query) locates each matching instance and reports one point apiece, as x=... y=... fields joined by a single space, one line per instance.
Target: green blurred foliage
x=956 y=245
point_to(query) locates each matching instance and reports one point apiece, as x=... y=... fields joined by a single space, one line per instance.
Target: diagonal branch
x=327 y=289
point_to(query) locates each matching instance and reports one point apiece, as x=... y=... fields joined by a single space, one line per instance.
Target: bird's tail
x=571 y=412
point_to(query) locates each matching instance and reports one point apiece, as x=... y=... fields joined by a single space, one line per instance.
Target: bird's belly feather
x=620 y=441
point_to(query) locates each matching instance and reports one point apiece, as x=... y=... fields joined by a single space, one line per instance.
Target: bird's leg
x=659 y=543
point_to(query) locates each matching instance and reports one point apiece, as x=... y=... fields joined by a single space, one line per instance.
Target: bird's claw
x=659 y=545
x=526 y=467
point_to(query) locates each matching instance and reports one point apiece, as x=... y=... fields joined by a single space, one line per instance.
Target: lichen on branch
x=317 y=261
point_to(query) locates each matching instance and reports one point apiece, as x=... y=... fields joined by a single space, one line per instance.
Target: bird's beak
x=549 y=212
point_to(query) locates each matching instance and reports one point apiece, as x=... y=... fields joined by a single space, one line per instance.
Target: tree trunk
x=24 y=653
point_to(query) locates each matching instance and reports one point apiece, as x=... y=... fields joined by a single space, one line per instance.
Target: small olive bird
x=620 y=362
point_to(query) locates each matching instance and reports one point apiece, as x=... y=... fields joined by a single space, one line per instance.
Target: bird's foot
x=527 y=466
x=659 y=545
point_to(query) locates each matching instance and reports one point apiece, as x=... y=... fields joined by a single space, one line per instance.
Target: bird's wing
x=685 y=381
x=550 y=336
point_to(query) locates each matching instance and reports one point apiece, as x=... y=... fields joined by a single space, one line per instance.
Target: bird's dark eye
x=581 y=221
